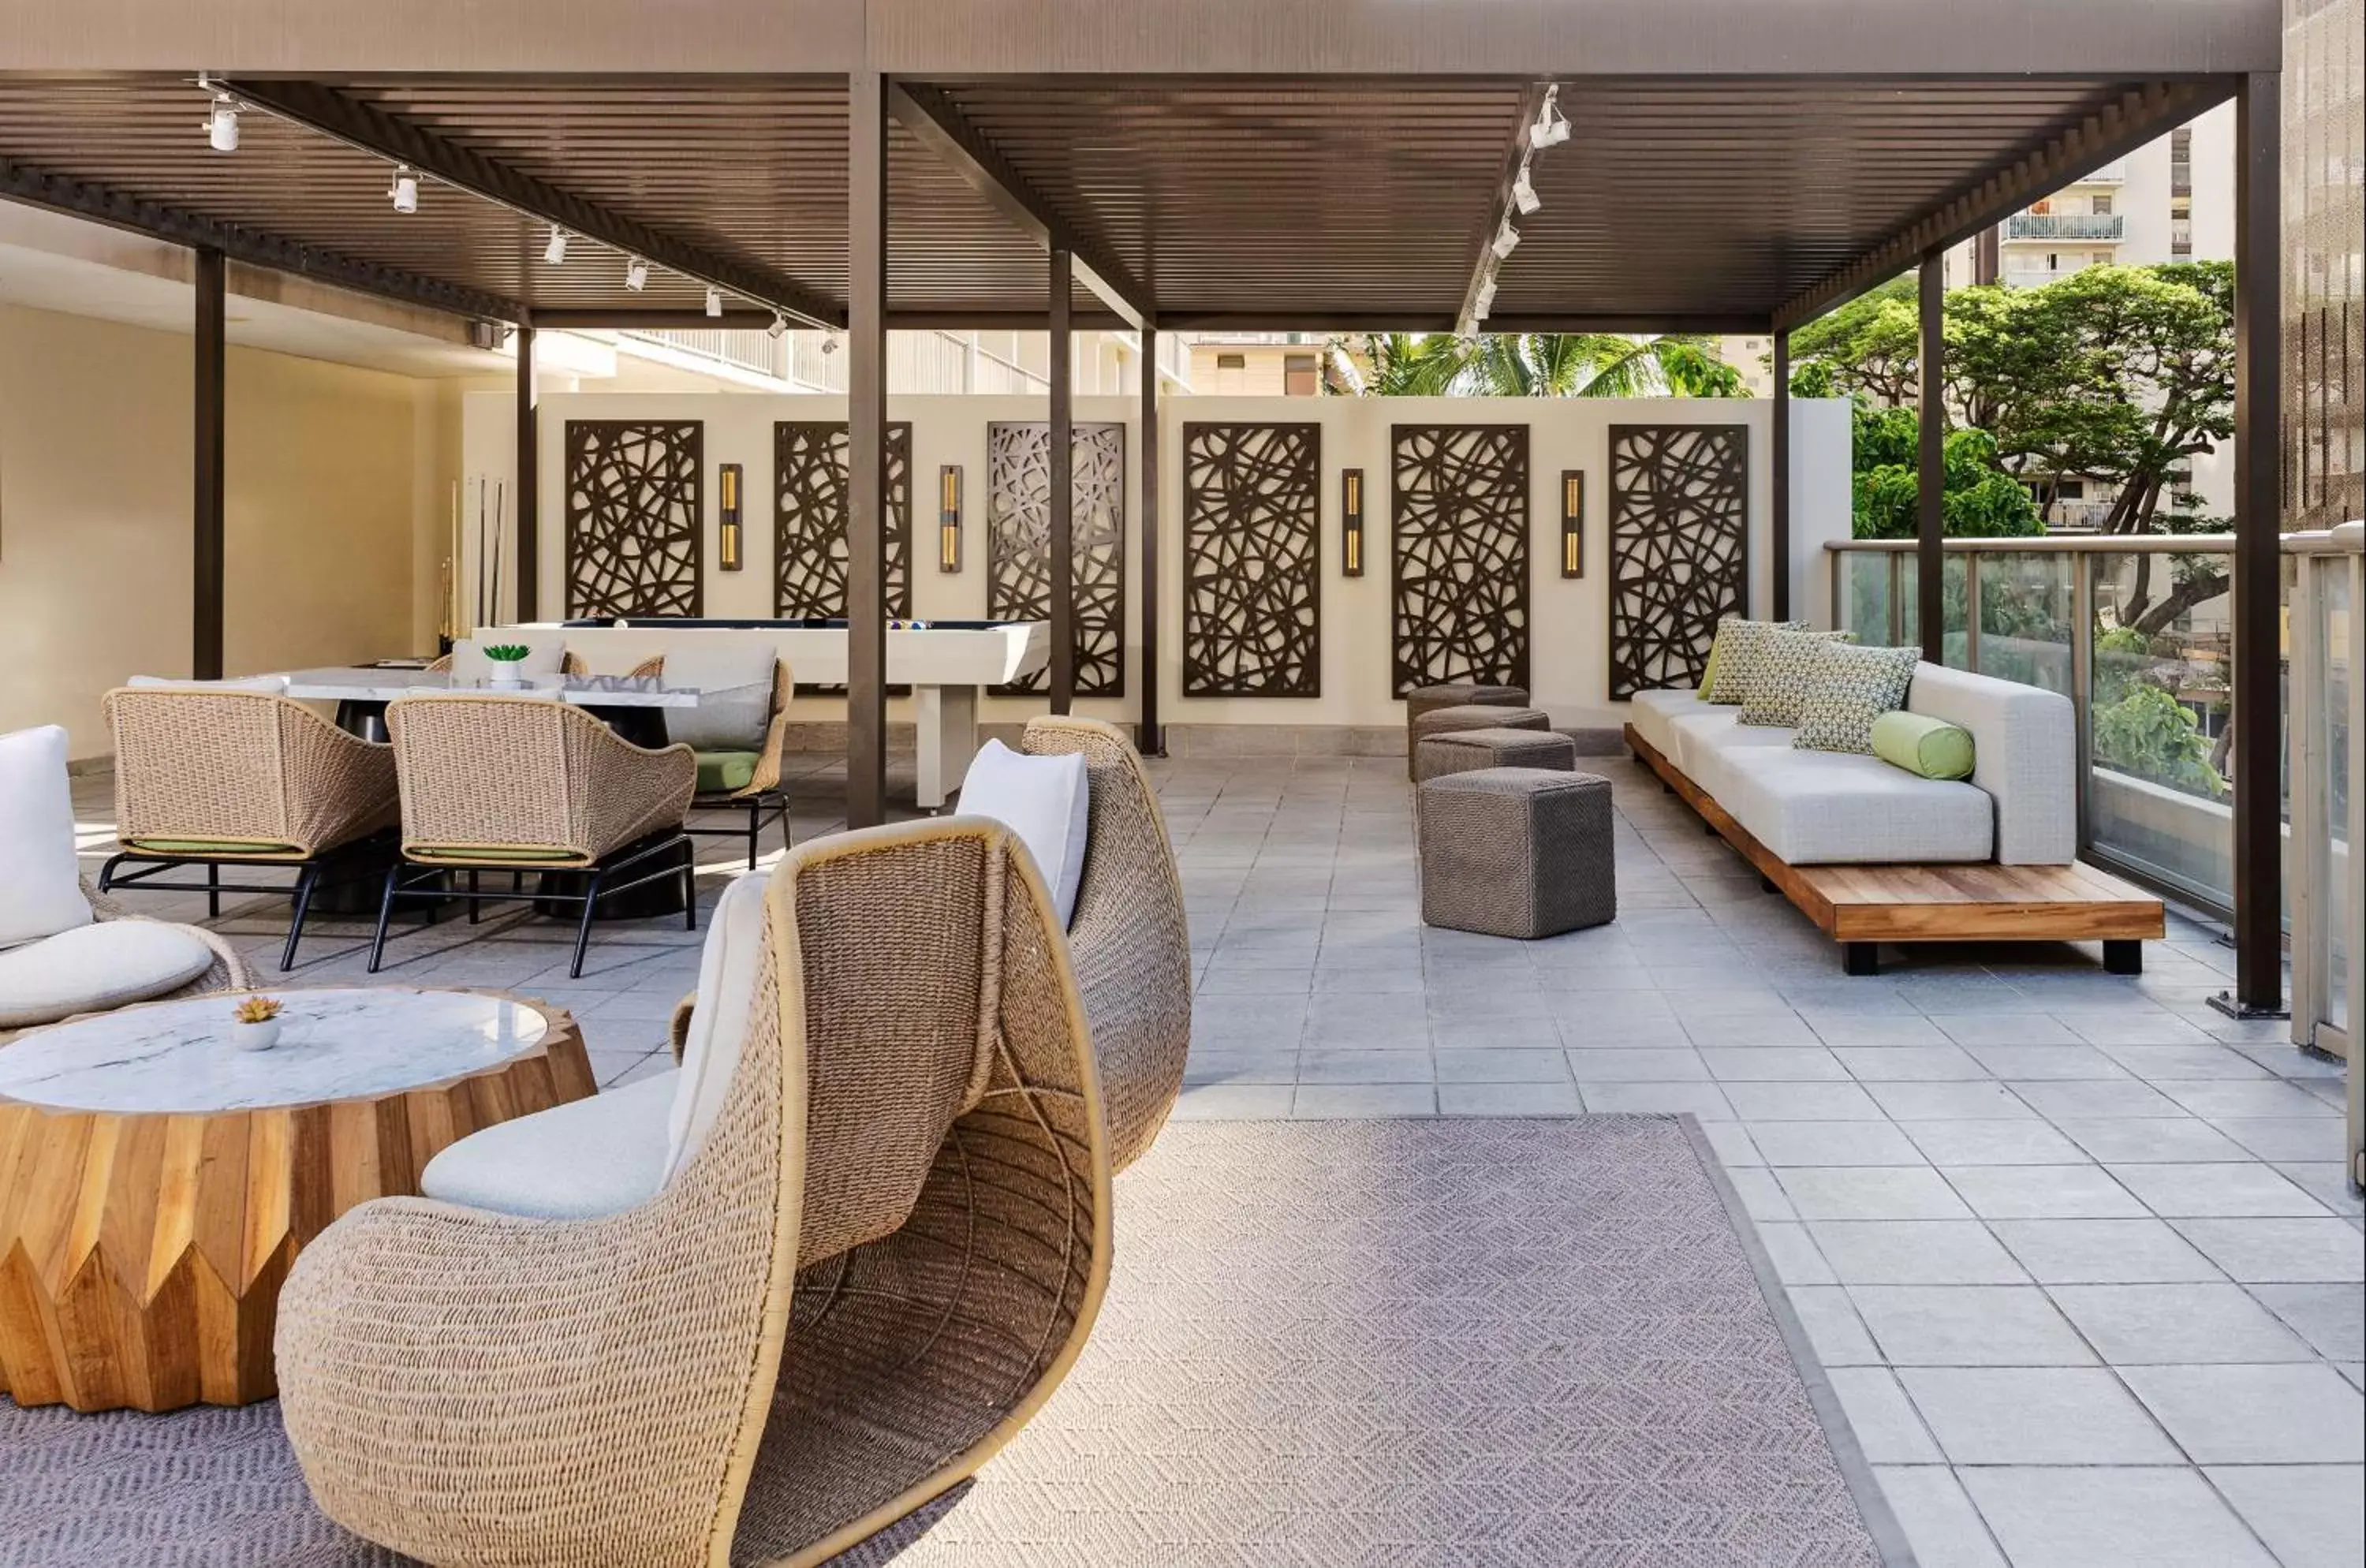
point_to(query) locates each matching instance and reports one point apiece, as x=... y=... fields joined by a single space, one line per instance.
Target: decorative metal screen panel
x=809 y=519
x=1460 y=496
x=1251 y=559
x=1018 y=545
x=636 y=516
x=1679 y=548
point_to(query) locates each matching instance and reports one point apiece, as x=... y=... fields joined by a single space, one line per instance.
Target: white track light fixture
x=222 y=124
x=1524 y=194
x=714 y=300
x=636 y=274
x=1508 y=239
x=555 y=251
x=780 y=324
x=1551 y=129
x=404 y=191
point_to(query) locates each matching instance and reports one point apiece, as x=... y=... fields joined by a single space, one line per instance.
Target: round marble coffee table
x=156 y=1182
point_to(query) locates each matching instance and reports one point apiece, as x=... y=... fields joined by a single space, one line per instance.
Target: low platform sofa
x=1792 y=811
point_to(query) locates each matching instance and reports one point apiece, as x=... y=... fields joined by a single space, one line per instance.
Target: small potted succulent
x=506 y=659
x=254 y=1026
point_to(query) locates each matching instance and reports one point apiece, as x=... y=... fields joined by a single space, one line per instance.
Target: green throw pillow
x=721 y=773
x=1853 y=687
x=1784 y=674
x=1926 y=746
x=1734 y=654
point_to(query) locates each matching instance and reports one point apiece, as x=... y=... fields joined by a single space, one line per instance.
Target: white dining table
x=633 y=706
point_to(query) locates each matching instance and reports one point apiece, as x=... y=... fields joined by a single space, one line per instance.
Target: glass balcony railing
x=2087 y=226
x=2328 y=737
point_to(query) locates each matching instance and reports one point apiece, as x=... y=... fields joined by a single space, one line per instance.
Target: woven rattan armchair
x=763 y=796
x=227 y=973
x=875 y=1269
x=227 y=778
x=516 y=783
x=1128 y=937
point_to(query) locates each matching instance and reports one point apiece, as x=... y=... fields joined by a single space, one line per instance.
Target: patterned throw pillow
x=1784 y=674
x=1853 y=687
x=1733 y=655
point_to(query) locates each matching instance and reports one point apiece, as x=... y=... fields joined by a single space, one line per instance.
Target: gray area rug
x=1440 y=1342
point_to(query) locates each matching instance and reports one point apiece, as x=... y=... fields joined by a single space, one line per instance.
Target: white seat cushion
x=576 y=1161
x=1047 y=802
x=734 y=678
x=1838 y=808
x=40 y=883
x=1704 y=739
x=544 y=655
x=729 y=965
x=95 y=966
x=1652 y=713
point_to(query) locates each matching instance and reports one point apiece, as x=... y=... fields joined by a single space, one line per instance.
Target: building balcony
x=2086 y=226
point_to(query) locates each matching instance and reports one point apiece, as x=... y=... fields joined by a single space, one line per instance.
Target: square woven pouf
x=1424 y=699
x=1468 y=751
x=1469 y=715
x=1517 y=852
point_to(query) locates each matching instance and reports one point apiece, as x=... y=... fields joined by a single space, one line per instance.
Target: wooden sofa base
x=1861 y=907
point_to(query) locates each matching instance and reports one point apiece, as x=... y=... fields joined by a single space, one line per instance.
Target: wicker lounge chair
x=232 y=778
x=873 y=1270
x=522 y=785
x=760 y=794
x=227 y=973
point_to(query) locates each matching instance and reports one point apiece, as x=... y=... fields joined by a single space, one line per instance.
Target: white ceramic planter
x=256 y=1036
x=509 y=681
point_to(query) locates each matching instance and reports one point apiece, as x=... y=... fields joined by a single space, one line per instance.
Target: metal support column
x=1151 y=738
x=529 y=488
x=866 y=465
x=1782 y=437
x=1063 y=584
x=2258 y=526
x=211 y=394
x=1931 y=514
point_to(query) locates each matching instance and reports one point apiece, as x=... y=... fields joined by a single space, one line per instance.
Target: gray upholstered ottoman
x=1468 y=751
x=1463 y=694
x=1517 y=852
x=1448 y=720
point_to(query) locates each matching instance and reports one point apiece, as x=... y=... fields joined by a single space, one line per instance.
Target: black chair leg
x=583 y=926
x=385 y=911
x=690 y=886
x=755 y=829
x=306 y=880
x=106 y=873
x=213 y=892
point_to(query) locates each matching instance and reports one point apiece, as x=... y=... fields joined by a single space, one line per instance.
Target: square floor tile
x=1832 y=1143
x=1501 y=1067
x=1876 y=1031
x=1235 y=1103
x=1948 y=1101
x=2168 y=1064
x=2033 y=1063
x=1317 y=1066
x=2134 y=1325
x=1508 y=1099
x=2229 y=1101
x=1793 y=1251
x=2303 y=1138
x=1702 y=1099
x=2293 y=1413
x=1775 y=1063
x=1833 y=1328
x=1733 y=1145
x=2153 y=1140
x=1910 y=1064
x=2272 y=1251
x=1886 y=1428
x=2103 y=1252
x=1914 y=1252
x=1940 y=1525
x=2027 y=1141
x=2035 y=1416
x=2181 y=1191
x=1801 y=1102
x=1968 y=1325
x=1871 y=1193
x=1637 y=1066
x=2090 y=1517
x=2002 y=1028
x=2331 y=1317
x=2061 y=1099
x=2311 y=1516
x=1348 y=1101
x=2044 y=1192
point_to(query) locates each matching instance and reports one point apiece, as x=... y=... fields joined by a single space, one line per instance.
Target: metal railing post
x=2306 y=867
x=1972 y=612
x=2082 y=687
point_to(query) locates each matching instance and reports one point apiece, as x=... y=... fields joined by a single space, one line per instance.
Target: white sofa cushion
x=40 y=882
x=544 y=655
x=93 y=967
x=2025 y=755
x=729 y=965
x=734 y=677
x=1047 y=802
x=1836 y=808
x=1705 y=739
x=576 y=1161
x=1652 y=713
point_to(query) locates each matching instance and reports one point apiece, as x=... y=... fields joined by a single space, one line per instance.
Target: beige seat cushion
x=94 y=967
x=597 y=1155
x=729 y=965
x=1840 y=809
x=1653 y=712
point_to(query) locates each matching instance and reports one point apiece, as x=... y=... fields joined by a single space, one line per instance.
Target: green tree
x=1977 y=500
x=1868 y=347
x=1535 y=365
x=2148 y=733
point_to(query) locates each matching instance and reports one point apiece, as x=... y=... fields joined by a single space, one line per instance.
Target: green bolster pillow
x=1926 y=746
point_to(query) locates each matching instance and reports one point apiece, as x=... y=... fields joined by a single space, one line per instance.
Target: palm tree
x=1535 y=365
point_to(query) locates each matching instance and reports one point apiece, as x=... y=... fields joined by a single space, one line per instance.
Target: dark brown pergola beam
x=1931 y=459
x=528 y=488
x=866 y=451
x=937 y=125
x=2111 y=132
x=79 y=199
x=1484 y=265
x=1061 y=585
x=209 y=405
x=374 y=130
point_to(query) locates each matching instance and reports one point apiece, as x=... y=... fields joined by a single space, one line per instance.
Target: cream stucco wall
x=322 y=463
x=1568 y=617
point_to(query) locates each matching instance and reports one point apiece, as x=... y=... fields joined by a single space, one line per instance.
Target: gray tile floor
x=2075 y=1248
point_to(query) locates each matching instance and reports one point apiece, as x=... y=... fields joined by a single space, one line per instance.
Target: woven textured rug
x=1446 y=1342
